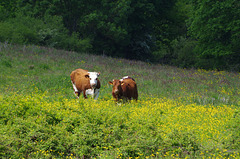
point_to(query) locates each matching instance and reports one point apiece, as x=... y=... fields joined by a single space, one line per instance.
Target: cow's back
x=129 y=88
x=79 y=79
x=77 y=73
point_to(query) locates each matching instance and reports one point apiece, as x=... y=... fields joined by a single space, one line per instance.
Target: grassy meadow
x=181 y=113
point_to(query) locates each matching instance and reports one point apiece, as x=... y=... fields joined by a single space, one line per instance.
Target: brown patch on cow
x=80 y=78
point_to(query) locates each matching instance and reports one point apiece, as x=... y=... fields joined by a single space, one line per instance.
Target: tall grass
x=181 y=113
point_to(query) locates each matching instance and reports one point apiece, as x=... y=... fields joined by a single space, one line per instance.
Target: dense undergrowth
x=180 y=113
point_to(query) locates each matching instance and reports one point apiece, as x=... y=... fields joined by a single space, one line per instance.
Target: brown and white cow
x=125 y=89
x=86 y=82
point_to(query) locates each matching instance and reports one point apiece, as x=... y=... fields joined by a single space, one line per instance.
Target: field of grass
x=181 y=113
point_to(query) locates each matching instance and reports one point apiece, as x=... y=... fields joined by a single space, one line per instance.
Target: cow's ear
x=110 y=82
x=87 y=76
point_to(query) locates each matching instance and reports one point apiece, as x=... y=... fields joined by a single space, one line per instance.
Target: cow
x=86 y=82
x=124 y=89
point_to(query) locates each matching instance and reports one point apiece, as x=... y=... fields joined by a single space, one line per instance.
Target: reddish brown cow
x=86 y=82
x=125 y=89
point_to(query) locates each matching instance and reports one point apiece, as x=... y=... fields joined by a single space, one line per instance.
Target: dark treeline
x=186 y=33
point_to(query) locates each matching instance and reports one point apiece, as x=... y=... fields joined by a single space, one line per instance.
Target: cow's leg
x=135 y=98
x=96 y=94
x=135 y=95
x=84 y=94
x=77 y=93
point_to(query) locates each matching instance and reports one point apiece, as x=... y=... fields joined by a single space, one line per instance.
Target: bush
x=48 y=32
x=183 y=52
x=19 y=30
x=74 y=43
x=179 y=52
x=161 y=53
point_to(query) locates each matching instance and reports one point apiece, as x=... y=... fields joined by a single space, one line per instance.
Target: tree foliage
x=120 y=27
x=216 y=26
x=178 y=32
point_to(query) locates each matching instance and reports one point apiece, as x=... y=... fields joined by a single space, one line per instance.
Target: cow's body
x=86 y=82
x=125 y=89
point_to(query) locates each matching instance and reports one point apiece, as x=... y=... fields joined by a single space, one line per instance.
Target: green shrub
x=19 y=30
x=47 y=32
x=5 y=31
x=183 y=52
x=74 y=43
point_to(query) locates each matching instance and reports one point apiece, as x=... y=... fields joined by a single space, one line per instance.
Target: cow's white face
x=93 y=76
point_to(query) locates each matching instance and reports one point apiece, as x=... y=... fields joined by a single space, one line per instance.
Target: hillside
x=180 y=113
x=49 y=69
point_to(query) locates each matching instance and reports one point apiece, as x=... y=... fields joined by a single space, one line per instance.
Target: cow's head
x=116 y=86
x=93 y=77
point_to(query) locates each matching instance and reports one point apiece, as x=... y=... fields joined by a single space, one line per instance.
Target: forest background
x=190 y=34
